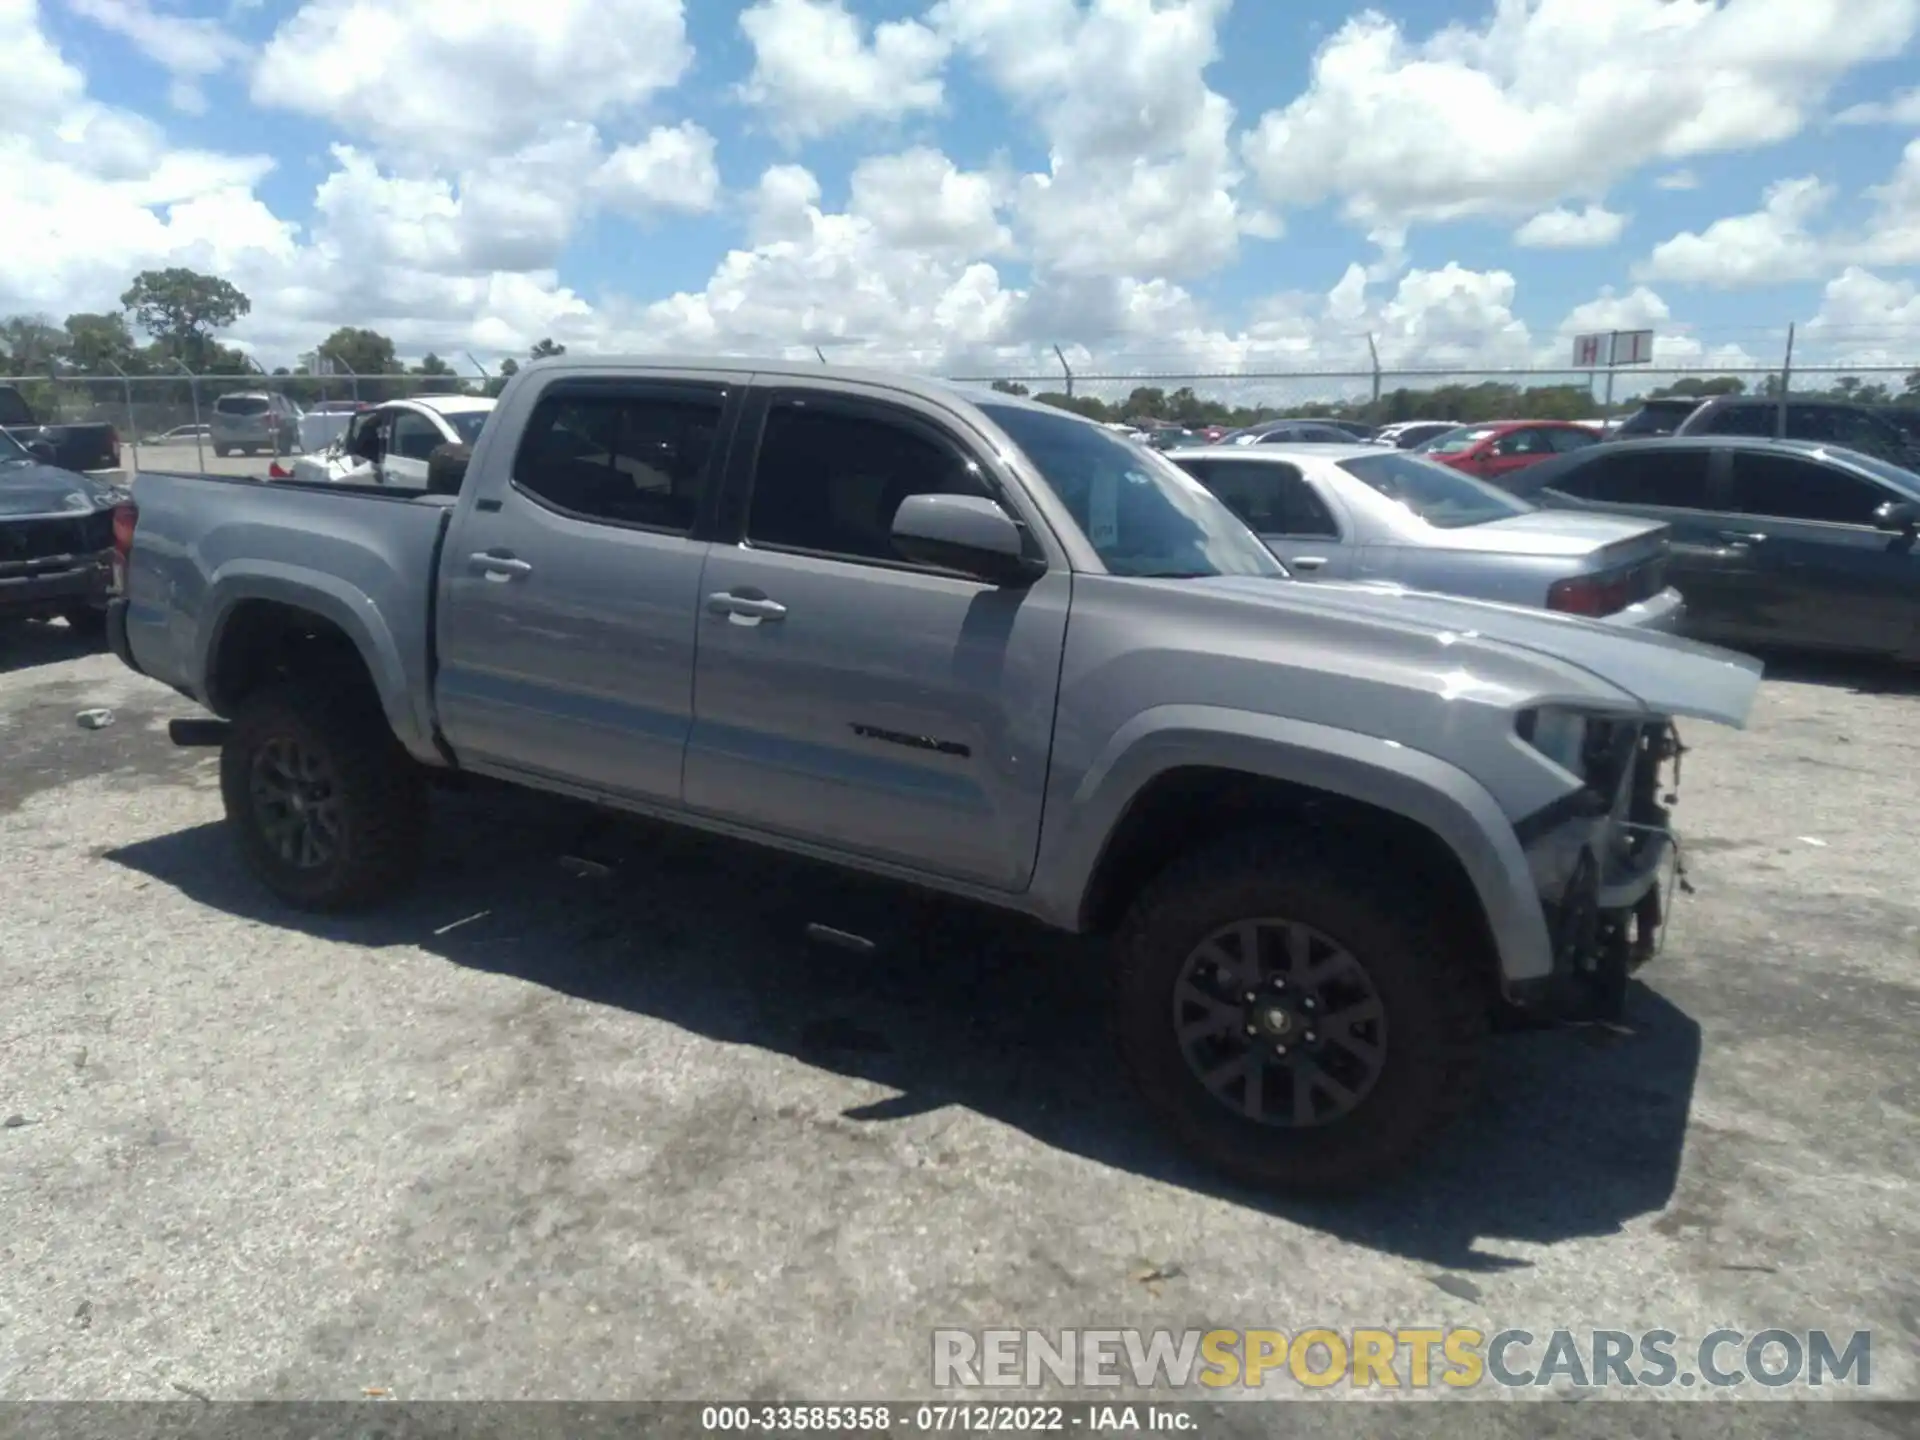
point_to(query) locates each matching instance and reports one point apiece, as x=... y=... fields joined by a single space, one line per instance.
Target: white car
x=389 y=444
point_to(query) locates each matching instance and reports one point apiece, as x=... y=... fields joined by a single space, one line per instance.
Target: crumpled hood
x=48 y=490
x=1669 y=675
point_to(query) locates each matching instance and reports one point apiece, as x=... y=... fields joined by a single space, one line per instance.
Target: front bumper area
x=54 y=584
x=1606 y=863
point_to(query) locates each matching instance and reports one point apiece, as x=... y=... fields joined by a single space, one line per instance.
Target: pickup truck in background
x=57 y=537
x=978 y=646
x=68 y=447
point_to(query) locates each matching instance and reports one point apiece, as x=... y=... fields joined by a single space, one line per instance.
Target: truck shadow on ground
x=1856 y=674
x=27 y=644
x=1577 y=1133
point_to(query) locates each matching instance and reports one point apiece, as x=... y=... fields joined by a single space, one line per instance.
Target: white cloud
x=461 y=81
x=815 y=72
x=1141 y=179
x=188 y=47
x=921 y=200
x=1769 y=246
x=1780 y=242
x=1677 y=180
x=672 y=170
x=1552 y=99
x=1563 y=229
x=1891 y=235
x=1901 y=109
x=1866 y=319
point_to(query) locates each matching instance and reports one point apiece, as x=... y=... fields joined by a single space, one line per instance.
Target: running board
x=198 y=734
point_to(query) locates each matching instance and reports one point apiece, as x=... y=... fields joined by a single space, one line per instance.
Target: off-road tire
x=1436 y=1011
x=382 y=795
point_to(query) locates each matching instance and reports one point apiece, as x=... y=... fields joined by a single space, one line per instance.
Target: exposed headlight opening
x=1559 y=734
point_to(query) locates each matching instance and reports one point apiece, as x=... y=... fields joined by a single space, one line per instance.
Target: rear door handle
x=499 y=568
x=746 y=608
x=1308 y=562
x=1742 y=537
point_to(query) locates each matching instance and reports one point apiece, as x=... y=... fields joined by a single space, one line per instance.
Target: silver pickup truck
x=979 y=646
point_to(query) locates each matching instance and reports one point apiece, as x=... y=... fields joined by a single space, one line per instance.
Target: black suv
x=1825 y=422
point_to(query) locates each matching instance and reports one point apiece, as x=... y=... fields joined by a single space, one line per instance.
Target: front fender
x=1083 y=811
x=332 y=599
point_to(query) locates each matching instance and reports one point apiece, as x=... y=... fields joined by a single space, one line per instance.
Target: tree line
x=181 y=313
x=1466 y=403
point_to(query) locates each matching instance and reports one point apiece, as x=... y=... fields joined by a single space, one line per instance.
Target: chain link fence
x=168 y=411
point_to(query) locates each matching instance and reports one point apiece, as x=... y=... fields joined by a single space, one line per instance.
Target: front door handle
x=1742 y=537
x=1307 y=562
x=745 y=608
x=499 y=568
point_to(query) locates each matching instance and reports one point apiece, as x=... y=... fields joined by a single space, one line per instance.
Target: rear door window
x=1274 y=499
x=1672 y=479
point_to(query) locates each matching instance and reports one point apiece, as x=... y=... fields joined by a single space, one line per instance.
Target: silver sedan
x=1363 y=513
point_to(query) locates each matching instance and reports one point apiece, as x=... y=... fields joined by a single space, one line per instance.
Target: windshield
x=1142 y=514
x=1439 y=495
x=467 y=424
x=1452 y=442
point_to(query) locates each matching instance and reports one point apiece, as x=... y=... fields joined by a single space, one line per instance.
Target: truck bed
x=207 y=545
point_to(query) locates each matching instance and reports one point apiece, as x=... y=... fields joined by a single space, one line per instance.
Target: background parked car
x=254 y=422
x=1289 y=432
x=179 y=435
x=326 y=422
x=1370 y=513
x=1829 y=422
x=1495 y=450
x=84 y=447
x=1406 y=434
x=389 y=444
x=57 y=532
x=1774 y=541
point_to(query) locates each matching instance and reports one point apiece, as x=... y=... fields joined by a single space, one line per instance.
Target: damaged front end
x=1604 y=858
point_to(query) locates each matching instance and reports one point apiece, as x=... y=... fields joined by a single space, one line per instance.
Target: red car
x=1500 y=447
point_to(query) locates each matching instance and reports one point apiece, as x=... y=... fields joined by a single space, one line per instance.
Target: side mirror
x=42 y=451
x=1900 y=515
x=447 y=468
x=968 y=533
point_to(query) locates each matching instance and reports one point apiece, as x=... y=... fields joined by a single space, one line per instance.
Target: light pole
x=193 y=389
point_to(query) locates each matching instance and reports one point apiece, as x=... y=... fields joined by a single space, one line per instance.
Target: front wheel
x=326 y=807
x=1286 y=1018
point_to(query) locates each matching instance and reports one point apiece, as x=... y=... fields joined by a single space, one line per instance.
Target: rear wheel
x=1289 y=1023
x=222 y=451
x=87 y=621
x=326 y=807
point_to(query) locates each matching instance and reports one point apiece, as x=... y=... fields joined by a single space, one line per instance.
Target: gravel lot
x=535 y=1134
